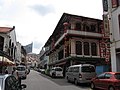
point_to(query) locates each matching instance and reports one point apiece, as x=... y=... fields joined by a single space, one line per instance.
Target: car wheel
x=76 y=82
x=111 y=88
x=53 y=75
x=92 y=86
x=68 y=79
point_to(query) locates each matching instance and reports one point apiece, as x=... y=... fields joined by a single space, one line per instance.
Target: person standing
x=15 y=73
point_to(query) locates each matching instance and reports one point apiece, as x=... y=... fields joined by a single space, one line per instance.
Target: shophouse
x=7 y=46
x=78 y=40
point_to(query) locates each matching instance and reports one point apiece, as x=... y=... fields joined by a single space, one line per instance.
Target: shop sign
x=105 y=5
x=106 y=26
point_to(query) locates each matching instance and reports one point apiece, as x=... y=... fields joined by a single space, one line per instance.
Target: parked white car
x=56 y=72
x=22 y=71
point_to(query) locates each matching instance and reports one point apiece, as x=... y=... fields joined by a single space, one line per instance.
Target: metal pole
x=2 y=64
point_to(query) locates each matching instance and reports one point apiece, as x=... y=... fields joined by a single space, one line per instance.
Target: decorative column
x=65 y=39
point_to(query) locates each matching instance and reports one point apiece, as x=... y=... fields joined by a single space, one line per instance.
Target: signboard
x=105 y=5
x=106 y=26
x=115 y=3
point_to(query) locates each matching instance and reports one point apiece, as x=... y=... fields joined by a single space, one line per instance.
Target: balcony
x=84 y=33
x=79 y=33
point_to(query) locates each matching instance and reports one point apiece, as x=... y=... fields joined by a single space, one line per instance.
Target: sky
x=35 y=20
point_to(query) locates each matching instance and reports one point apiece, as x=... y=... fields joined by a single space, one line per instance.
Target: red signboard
x=114 y=3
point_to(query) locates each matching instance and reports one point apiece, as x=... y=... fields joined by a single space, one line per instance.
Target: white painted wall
x=13 y=37
x=18 y=53
x=113 y=14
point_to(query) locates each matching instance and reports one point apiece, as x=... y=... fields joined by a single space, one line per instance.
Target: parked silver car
x=9 y=82
x=82 y=73
x=22 y=71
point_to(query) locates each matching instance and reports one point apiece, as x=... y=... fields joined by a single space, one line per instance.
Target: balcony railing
x=84 y=33
x=79 y=33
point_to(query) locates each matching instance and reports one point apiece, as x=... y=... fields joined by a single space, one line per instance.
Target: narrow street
x=38 y=81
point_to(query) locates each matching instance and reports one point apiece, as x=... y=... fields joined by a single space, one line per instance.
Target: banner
x=106 y=26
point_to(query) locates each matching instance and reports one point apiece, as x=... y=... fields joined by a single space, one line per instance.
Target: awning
x=6 y=62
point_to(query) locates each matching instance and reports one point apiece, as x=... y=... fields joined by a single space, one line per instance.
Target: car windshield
x=1 y=83
x=58 y=69
x=117 y=76
x=88 y=69
x=20 y=68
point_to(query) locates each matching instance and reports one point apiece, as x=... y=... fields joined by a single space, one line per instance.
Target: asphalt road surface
x=38 y=81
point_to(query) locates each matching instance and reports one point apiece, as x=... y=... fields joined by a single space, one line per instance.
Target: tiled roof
x=5 y=29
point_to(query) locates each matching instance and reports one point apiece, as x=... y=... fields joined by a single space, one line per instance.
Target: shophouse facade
x=44 y=58
x=78 y=40
x=19 y=55
x=7 y=46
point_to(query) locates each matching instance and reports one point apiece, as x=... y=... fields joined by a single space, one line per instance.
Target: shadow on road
x=63 y=81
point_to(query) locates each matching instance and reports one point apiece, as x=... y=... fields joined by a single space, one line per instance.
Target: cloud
x=10 y=9
x=35 y=20
x=1 y=2
x=37 y=46
x=43 y=10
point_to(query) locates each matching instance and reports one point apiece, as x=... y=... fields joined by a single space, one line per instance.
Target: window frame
x=86 y=48
x=94 y=49
x=78 y=47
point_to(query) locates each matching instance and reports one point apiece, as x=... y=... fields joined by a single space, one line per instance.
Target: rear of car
x=82 y=73
x=86 y=73
x=22 y=71
x=56 y=72
x=42 y=71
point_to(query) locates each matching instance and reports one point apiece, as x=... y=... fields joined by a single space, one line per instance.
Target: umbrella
x=6 y=62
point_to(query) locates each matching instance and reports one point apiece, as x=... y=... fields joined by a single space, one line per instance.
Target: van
x=22 y=71
x=82 y=73
x=56 y=72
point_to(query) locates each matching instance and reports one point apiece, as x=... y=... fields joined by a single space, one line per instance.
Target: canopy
x=6 y=62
